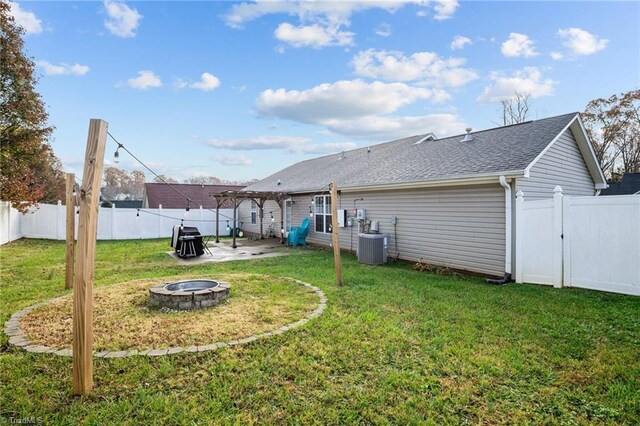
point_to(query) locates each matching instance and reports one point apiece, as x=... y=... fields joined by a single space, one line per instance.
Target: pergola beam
x=260 y=197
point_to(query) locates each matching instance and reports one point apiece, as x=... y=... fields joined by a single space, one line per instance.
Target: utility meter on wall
x=361 y=214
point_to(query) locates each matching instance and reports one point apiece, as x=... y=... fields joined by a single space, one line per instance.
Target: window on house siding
x=322 y=213
x=287 y=215
x=254 y=212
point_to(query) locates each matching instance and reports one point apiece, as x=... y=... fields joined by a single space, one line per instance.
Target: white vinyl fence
x=48 y=222
x=587 y=242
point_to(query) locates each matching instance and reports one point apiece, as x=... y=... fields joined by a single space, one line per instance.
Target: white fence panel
x=41 y=222
x=10 y=221
x=48 y=222
x=602 y=251
x=537 y=248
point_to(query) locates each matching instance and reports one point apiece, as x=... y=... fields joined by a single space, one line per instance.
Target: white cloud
x=207 y=82
x=122 y=20
x=62 y=68
x=334 y=11
x=315 y=35
x=427 y=67
x=445 y=9
x=354 y=109
x=529 y=80
x=27 y=20
x=556 y=56
x=581 y=42
x=394 y=127
x=322 y=22
x=235 y=160
x=460 y=42
x=293 y=144
x=342 y=99
x=518 y=45
x=383 y=30
x=145 y=80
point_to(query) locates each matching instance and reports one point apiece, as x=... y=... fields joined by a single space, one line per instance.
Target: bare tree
x=613 y=125
x=516 y=108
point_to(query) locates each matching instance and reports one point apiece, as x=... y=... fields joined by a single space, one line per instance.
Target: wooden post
x=281 y=205
x=335 y=237
x=71 y=230
x=217 y=220
x=233 y=231
x=82 y=347
x=261 y=207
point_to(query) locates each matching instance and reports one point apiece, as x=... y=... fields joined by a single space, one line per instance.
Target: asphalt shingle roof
x=502 y=149
x=160 y=193
x=630 y=184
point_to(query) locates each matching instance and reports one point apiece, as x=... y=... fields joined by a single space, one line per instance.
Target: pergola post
x=281 y=204
x=233 y=230
x=261 y=207
x=260 y=197
x=217 y=220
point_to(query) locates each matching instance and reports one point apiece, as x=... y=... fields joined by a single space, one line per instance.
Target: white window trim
x=325 y=213
x=254 y=210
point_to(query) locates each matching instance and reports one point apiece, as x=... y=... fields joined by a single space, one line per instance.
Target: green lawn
x=393 y=346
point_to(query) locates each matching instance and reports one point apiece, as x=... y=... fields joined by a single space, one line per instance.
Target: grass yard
x=393 y=346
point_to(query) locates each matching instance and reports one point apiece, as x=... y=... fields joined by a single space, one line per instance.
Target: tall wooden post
x=82 y=347
x=71 y=229
x=335 y=237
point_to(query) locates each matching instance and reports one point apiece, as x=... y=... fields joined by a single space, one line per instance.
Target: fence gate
x=602 y=243
x=587 y=242
x=538 y=238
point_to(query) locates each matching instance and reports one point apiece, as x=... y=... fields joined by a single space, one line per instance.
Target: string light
x=310 y=212
x=138 y=214
x=272 y=218
x=159 y=177
x=116 y=155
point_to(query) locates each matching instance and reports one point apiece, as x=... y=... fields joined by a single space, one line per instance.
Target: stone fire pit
x=189 y=294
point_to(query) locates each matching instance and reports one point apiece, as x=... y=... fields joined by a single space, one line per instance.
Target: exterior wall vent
x=372 y=249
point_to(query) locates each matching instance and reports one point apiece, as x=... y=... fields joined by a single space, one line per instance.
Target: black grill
x=187 y=241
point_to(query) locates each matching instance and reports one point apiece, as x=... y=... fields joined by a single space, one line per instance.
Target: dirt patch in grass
x=124 y=318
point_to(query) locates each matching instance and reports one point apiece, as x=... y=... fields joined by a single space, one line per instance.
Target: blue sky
x=241 y=90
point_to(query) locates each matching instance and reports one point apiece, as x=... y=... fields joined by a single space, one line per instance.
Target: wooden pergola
x=259 y=197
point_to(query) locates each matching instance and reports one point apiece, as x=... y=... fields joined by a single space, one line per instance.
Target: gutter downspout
x=507 y=234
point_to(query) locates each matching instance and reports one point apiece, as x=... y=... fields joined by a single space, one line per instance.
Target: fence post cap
x=557 y=189
x=59 y=202
x=519 y=193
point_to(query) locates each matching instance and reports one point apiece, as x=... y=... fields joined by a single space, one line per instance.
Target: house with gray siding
x=452 y=197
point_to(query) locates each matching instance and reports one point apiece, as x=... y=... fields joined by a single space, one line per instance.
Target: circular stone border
x=18 y=337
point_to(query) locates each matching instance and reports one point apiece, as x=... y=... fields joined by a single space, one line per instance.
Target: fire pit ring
x=189 y=294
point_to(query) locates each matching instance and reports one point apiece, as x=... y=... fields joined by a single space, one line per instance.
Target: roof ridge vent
x=468 y=137
x=428 y=137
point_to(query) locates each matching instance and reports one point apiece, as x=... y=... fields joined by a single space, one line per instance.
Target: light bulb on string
x=138 y=214
x=116 y=156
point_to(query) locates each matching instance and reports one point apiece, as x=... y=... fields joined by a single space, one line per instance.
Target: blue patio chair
x=298 y=235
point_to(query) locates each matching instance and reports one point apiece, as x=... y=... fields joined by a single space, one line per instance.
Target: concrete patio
x=246 y=249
